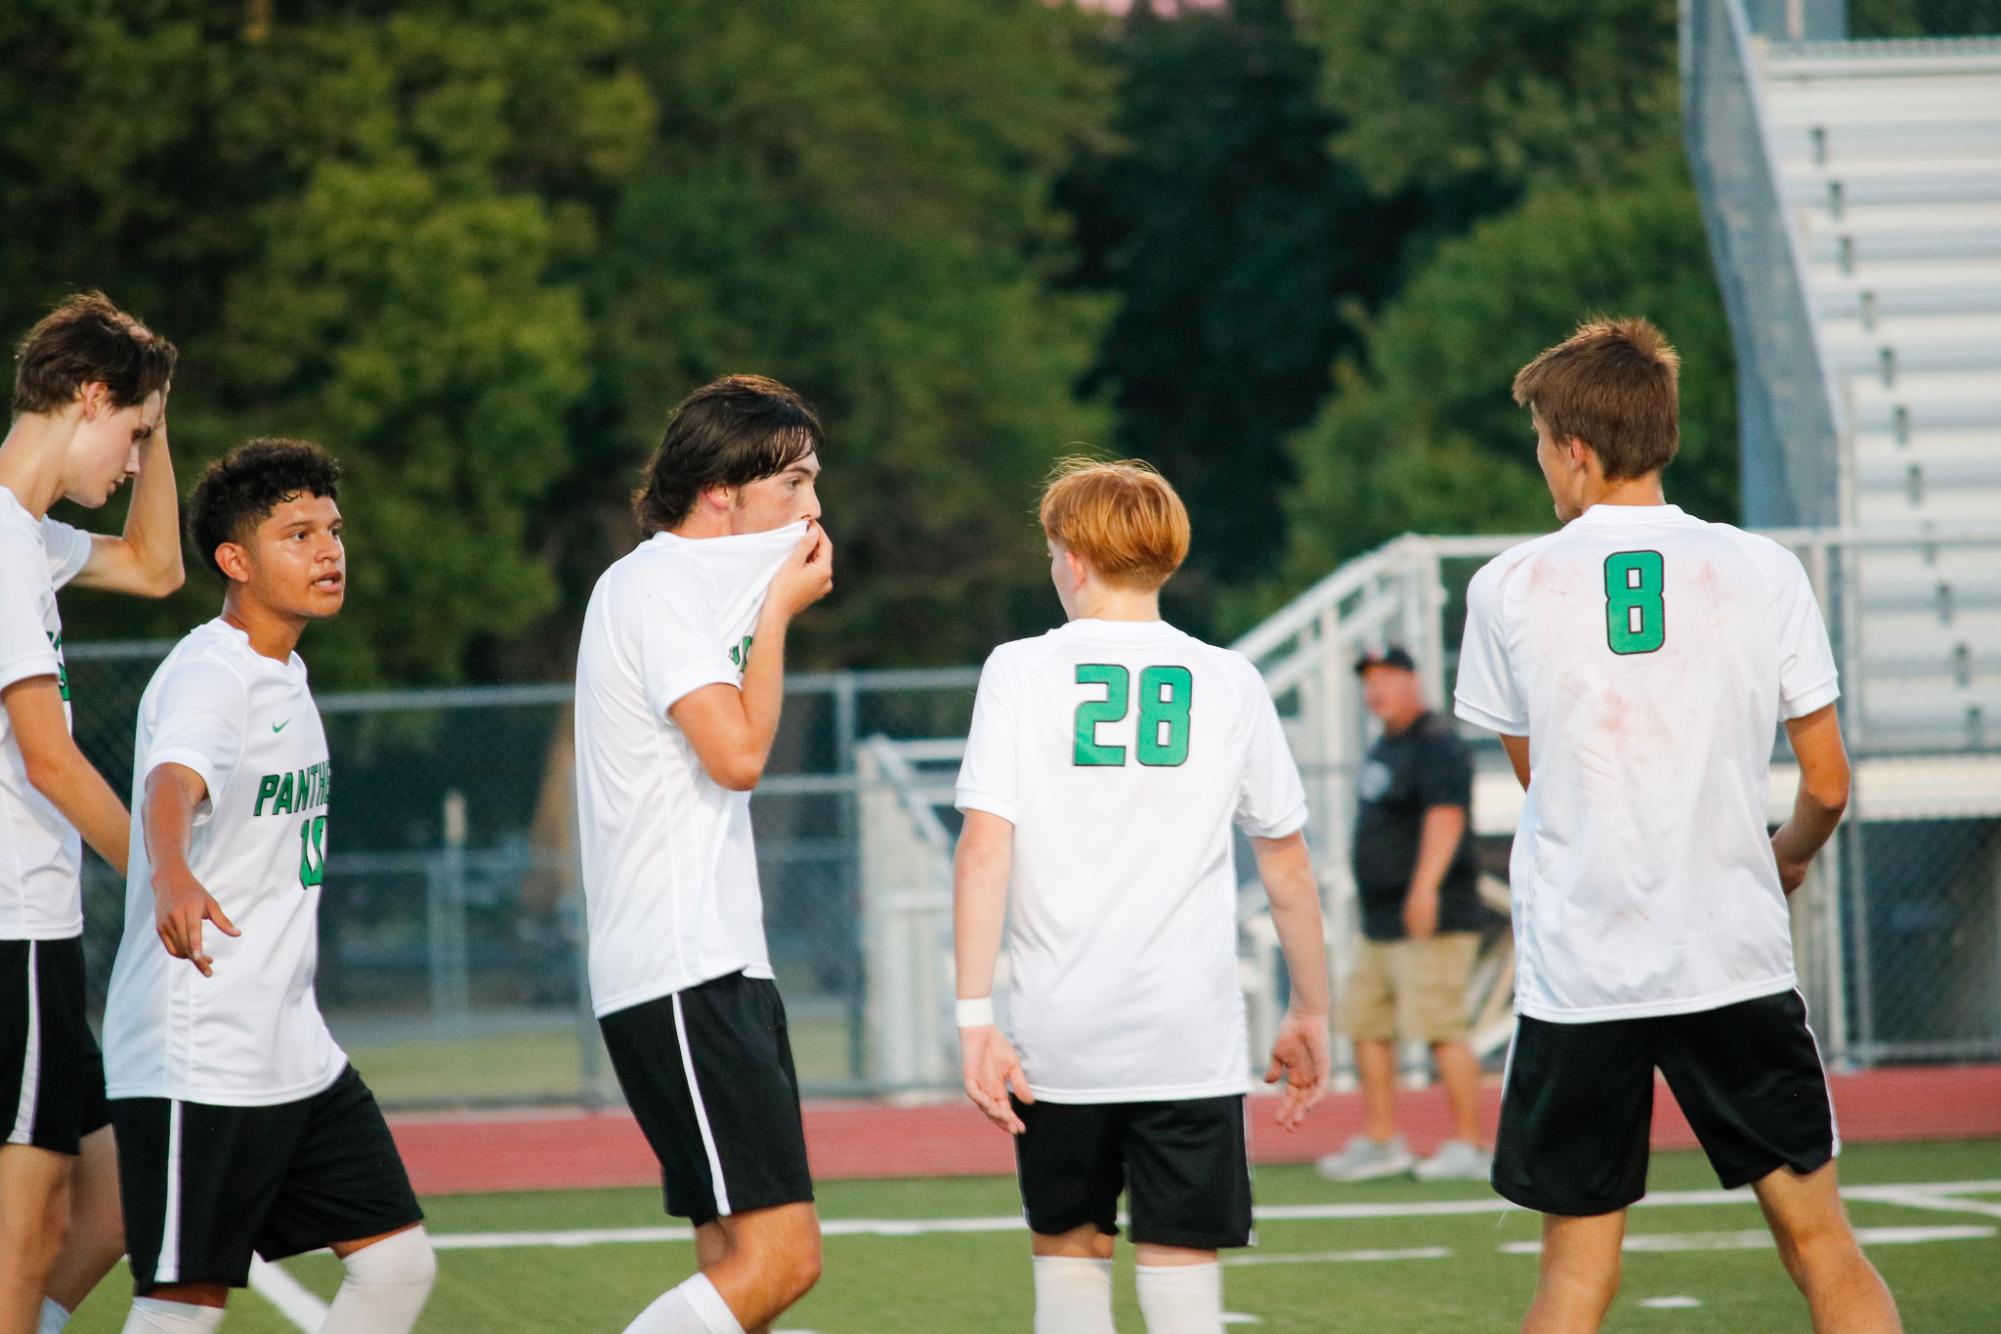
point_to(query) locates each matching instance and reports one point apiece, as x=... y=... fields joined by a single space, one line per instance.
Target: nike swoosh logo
x=279 y=727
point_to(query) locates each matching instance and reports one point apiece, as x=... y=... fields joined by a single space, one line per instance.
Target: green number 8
x=1635 y=612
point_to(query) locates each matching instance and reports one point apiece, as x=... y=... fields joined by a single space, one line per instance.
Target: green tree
x=1239 y=249
x=856 y=199
x=1422 y=433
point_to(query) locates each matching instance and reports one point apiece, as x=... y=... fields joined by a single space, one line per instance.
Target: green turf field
x=1305 y=1275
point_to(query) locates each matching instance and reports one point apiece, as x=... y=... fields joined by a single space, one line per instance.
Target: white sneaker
x=1367 y=1159
x=1456 y=1160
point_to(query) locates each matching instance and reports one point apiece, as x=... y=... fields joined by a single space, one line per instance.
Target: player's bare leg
x=1579 y=1273
x=761 y=1261
x=1460 y=1073
x=1843 y=1291
x=1376 y=1068
x=96 y=1238
x=34 y=1215
x=1180 y=1290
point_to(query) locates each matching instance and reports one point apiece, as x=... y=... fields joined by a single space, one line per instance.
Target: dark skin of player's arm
x=1817 y=806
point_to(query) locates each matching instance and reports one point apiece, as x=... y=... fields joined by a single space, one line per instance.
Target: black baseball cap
x=1385 y=655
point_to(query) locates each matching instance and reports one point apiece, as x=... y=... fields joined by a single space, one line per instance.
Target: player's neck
x=1118 y=604
x=272 y=634
x=1627 y=491
x=31 y=459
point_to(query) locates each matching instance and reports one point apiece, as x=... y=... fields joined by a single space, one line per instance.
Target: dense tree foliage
x=1292 y=251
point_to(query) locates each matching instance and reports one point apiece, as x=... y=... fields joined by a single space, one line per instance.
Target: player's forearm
x=167 y=817
x=980 y=871
x=763 y=690
x=73 y=786
x=1286 y=868
x=153 y=522
x=1812 y=824
x=1437 y=845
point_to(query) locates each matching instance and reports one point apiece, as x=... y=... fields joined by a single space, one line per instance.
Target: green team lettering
x=62 y=668
x=1635 y=606
x=312 y=851
x=740 y=653
x=295 y=791
x=1095 y=711
x=1165 y=696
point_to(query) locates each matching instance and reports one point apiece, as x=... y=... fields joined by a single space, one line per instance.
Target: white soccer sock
x=1182 y=1299
x=53 y=1317
x=1073 y=1295
x=385 y=1286
x=693 y=1308
x=150 y=1316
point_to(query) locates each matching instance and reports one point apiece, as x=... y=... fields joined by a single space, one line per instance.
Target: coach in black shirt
x=1414 y=872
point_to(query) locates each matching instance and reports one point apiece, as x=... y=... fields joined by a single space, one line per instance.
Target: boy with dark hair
x=1108 y=761
x=241 y=1126
x=680 y=675
x=1636 y=664
x=90 y=407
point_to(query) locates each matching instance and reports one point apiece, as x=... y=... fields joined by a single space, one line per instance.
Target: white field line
x=1336 y=1257
x=1671 y=1303
x=286 y=1293
x=1757 y=1239
x=1938 y=1195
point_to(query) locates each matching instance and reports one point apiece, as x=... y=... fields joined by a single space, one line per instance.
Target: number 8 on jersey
x=1635 y=614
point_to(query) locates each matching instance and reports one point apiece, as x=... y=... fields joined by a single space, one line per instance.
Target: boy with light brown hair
x=1636 y=664
x=1108 y=760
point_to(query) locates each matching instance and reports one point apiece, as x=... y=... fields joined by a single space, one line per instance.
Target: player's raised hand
x=180 y=905
x=1300 y=1056
x=808 y=573
x=990 y=1067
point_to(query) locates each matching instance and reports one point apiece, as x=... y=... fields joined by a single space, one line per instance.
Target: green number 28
x=1164 y=697
x=1635 y=615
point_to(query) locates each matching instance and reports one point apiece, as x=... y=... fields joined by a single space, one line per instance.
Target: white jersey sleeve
x=201 y=711
x=26 y=649
x=1488 y=694
x=1271 y=801
x=681 y=646
x=69 y=550
x=990 y=774
x=1807 y=678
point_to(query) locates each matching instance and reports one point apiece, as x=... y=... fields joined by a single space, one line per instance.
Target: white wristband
x=976 y=1013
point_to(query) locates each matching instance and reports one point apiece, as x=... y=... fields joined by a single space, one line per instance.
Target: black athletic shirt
x=1405 y=775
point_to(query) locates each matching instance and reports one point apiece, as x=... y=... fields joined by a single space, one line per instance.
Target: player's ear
x=233 y=559
x=1080 y=569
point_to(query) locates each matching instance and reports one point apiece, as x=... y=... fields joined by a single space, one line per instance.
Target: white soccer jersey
x=41 y=867
x=251 y=1035
x=670 y=872
x=1122 y=751
x=1649 y=658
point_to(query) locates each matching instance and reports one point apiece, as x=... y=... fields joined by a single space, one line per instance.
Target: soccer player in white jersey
x=1107 y=763
x=1637 y=664
x=90 y=411
x=680 y=674
x=241 y=1126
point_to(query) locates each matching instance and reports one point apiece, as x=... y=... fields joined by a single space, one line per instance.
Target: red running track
x=572 y=1150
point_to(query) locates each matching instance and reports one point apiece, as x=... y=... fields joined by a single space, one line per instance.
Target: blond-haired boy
x=1107 y=762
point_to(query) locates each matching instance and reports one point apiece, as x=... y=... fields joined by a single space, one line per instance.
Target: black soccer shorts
x=51 y=1072
x=1578 y=1101
x=1185 y=1162
x=708 y=1074
x=205 y=1186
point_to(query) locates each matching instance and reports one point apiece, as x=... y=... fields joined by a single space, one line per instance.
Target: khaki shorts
x=1412 y=989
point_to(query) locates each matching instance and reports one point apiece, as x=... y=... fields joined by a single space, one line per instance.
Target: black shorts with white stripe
x=708 y=1074
x=51 y=1072
x=206 y=1186
x=1183 y=1164
x=1577 y=1101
